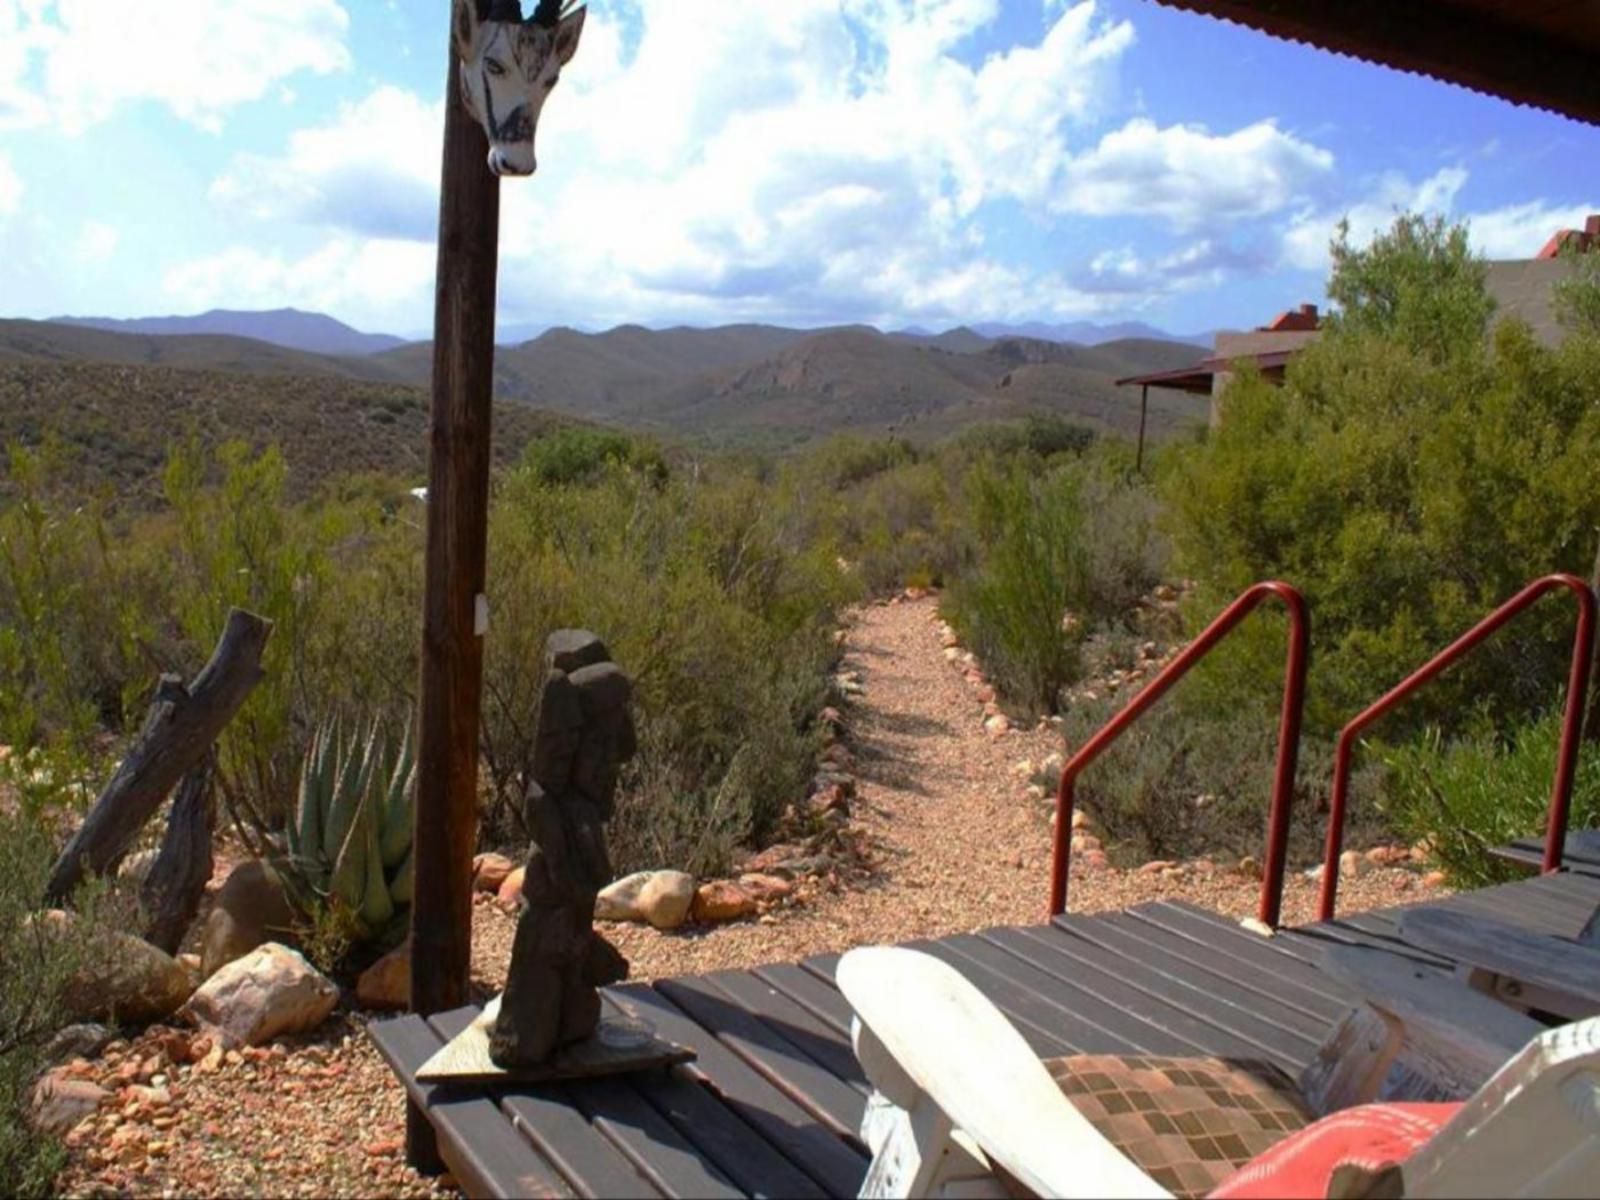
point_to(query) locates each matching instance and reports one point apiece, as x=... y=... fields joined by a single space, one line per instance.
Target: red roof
x=1579 y=241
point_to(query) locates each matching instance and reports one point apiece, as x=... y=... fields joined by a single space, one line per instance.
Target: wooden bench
x=1581 y=852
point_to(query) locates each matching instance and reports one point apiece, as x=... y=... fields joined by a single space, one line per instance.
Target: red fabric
x=1369 y=1137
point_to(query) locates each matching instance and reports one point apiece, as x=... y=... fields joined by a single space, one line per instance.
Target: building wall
x=1256 y=341
x=1526 y=288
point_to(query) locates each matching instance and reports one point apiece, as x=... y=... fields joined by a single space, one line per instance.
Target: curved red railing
x=1294 y=694
x=1566 y=755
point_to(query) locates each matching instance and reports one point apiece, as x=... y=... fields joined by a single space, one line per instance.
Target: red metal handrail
x=1566 y=755
x=1294 y=693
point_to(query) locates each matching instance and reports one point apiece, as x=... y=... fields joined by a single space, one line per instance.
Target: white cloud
x=97 y=241
x=377 y=280
x=796 y=160
x=1510 y=231
x=74 y=62
x=10 y=187
x=374 y=169
x=1190 y=177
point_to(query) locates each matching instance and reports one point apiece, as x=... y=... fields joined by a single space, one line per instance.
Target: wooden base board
x=614 y=1049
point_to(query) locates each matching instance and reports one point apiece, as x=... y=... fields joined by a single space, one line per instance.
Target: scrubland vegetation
x=1415 y=469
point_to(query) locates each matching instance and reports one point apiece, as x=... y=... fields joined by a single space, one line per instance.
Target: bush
x=1185 y=782
x=1410 y=475
x=38 y=963
x=1469 y=795
x=1011 y=611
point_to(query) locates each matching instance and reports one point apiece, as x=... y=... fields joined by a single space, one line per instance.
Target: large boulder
x=270 y=991
x=666 y=897
x=619 y=901
x=252 y=907
x=662 y=898
x=386 y=984
x=125 y=980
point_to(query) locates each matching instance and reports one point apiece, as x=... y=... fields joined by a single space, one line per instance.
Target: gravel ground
x=956 y=845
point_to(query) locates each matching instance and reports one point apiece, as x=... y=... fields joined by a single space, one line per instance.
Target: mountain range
x=321 y=334
x=737 y=384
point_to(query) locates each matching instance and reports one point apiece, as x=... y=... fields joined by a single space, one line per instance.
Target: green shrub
x=1032 y=571
x=39 y=960
x=1410 y=475
x=1469 y=795
x=1186 y=781
x=579 y=453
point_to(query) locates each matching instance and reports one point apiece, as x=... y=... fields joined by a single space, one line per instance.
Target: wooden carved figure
x=558 y=961
x=508 y=67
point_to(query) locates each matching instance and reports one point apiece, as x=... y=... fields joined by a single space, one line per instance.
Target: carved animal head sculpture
x=508 y=67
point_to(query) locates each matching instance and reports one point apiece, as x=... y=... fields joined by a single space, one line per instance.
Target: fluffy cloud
x=97 y=241
x=798 y=160
x=73 y=62
x=376 y=277
x=1189 y=177
x=1510 y=231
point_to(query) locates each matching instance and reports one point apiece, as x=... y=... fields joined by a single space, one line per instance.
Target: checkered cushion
x=1189 y=1123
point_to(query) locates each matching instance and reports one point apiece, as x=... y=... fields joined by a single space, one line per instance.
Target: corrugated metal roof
x=1542 y=53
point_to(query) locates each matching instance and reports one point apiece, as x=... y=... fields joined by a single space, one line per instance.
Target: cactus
x=350 y=838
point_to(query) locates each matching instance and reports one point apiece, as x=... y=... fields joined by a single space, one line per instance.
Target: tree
x=1418 y=284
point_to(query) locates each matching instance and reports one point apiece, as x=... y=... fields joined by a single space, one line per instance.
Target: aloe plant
x=350 y=837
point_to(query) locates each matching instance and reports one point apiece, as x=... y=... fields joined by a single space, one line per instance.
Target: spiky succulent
x=350 y=838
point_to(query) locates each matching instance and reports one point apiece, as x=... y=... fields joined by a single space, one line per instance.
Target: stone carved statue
x=558 y=961
x=508 y=67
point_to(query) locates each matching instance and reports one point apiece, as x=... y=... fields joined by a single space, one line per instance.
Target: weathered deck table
x=1580 y=853
x=772 y=1104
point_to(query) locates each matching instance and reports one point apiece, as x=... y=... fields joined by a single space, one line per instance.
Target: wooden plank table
x=772 y=1104
x=1580 y=853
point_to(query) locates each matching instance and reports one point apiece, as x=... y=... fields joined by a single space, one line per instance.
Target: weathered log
x=171 y=892
x=178 y=733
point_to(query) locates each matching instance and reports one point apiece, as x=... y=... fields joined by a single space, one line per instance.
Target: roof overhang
x=1543 y=53
x=1198 y=378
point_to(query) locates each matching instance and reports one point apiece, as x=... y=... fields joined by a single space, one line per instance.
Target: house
x=1521 y=287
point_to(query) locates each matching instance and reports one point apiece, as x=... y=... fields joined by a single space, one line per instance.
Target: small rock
x=509 y=893
x=135 y=869
x=1314 y=873
x=1257 y=927
x=1352 y=865
x=997 y=725
x=1025 y=768
x=386 y=984
x=720 y=900
x=986 y=694
x=1035 y=792
x=1433 y=879
x=831 y=799
x=666 y=897
x=1080 y=819
x=489 y=871
x=1096 y=860
x=766 y=888
x=772 y=858
x=59 y=1102
x=949 y=639
x=1249 y=868
x=1082 y=842
x=272 y=990
x=1156 y=866
x=78 y=1041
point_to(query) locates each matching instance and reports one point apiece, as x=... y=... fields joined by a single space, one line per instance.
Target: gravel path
x=956 y=845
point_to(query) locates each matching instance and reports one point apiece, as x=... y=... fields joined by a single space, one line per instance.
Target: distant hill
x=287 y=327
x=117 y=422
x=1088 y=333
x=751 y=384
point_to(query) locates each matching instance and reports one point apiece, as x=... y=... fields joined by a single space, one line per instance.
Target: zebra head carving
x=508 y=67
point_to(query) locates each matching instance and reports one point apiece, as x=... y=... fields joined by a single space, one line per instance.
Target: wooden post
x=1144 y=401
x=452 y=641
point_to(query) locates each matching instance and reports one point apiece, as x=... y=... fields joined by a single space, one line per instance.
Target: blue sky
x=704 y=161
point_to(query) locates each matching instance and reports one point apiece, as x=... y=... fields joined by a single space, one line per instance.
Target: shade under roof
x=1543 y=53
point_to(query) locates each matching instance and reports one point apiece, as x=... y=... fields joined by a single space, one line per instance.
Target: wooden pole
x=452 y=640
x=1144 y=402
